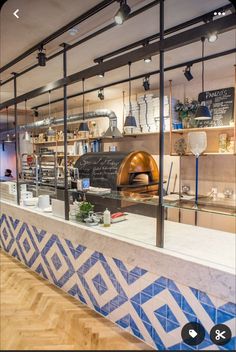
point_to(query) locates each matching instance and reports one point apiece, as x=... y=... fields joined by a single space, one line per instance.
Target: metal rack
x=29 y=172
x=47 y=170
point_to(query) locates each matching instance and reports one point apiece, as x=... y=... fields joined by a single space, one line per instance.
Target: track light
x=123 y=12
x=212 y=37
x=147 y=60
x=187 y=73
x=146 y=84
x=41 y=57
x=101 y=94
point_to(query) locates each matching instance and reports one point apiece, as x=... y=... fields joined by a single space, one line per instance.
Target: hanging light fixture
x=146 y=83
x=26 y=135
x=130 y=119
x=83 y=127
x=101 y=94
x=123 y=12
x=41 y=57
x=8 y=140
x=50 y=131
x=203 y=112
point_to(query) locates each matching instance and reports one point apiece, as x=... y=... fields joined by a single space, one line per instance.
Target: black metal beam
x=160 y=209
x=184 y=38
x=156 y=36
x=103 y=4
x=17 y=147
x=66 y=195
x=134 y=78
x=85 y=39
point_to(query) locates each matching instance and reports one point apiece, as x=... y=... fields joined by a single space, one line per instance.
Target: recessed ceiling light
x=212 y=37
x=73 y=31
x=101 y=75
x=147 y=60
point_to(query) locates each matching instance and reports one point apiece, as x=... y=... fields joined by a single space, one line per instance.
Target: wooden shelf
x=69 y=140
x=213 y=153
x=210 y=129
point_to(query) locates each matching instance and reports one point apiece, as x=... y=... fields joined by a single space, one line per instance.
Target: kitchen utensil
x=197 y=142
x=168 y=182
x=44 y=201
x=30 y=201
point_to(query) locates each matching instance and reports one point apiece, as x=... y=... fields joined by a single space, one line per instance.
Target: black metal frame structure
x=164 y=44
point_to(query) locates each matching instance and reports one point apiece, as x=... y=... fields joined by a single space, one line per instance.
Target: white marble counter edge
x=214 y=279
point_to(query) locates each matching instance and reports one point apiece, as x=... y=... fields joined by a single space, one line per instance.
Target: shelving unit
x=212 y=138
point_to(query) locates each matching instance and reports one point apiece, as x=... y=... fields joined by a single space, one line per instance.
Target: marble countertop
x=210 y=254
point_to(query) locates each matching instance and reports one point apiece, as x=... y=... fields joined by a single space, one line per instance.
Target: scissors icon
x=220 y=335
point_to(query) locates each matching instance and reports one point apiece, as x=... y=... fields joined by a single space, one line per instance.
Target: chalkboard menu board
x=221 y=105
x=101 y=168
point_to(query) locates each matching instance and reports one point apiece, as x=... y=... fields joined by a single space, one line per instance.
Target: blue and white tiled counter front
x=141 y=299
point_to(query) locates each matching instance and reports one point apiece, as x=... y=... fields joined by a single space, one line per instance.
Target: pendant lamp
x=50 y=131
x=26 y=135
x=130 y=119
x=8 y=140
x=203 y=112
x=83 y=127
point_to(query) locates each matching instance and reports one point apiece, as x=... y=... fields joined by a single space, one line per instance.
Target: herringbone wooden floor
x=35 y=315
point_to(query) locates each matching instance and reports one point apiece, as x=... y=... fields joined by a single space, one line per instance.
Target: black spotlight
x=123 y=12
x=41 y=57
x=187 y=73
x=36 y=113
x=146 y=84
x=101 y=94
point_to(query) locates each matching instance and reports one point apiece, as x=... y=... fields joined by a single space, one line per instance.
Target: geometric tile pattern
x=151 y=307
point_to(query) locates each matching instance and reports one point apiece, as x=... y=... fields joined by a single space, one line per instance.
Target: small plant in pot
x=186 y=112
x=84 y=210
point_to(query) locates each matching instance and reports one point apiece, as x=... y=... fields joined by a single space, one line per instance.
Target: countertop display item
x=180 y=146
x=197 y=142
x=230 y=145
x=44 y=201
x=228 y=192
x=107 y=218
x=117 y=217
x=223 y=137
x=84 y=209
x=92 y=219
x=30 y=201
x=185 y=189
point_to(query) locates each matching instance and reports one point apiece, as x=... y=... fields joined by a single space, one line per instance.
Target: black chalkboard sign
x=221 y=105
x=101 y=168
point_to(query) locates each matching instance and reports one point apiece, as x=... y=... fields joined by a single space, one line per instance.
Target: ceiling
x=38 y=19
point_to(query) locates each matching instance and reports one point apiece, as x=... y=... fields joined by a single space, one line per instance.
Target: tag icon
x=192 y=333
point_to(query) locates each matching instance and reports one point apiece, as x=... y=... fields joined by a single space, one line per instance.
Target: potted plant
x=84 y=209
x=186 y=112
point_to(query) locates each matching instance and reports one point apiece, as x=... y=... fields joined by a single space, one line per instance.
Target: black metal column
x=67 y=206
x=17 y=149
x=160 y=209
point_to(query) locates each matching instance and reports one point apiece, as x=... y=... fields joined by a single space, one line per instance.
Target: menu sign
x=221 y=105
x=101 y=168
